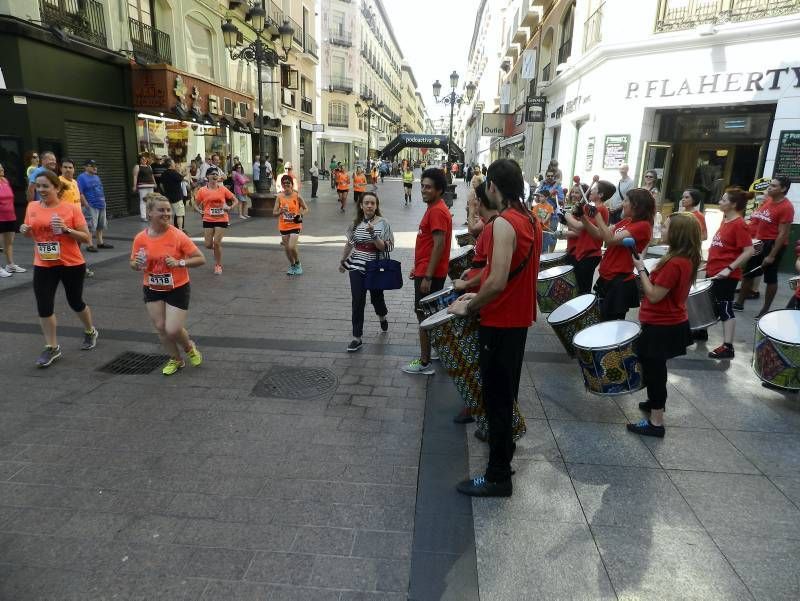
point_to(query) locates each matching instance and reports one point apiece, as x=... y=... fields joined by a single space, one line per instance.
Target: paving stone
x=208 y=533
x=223 y=564
x=774 y=454
x=767 y=566
x=86 y=524
x=194 y=505
x=600 y=444
x=704 y=450
x=323 y=541
x=33 y=520
x=281 y=568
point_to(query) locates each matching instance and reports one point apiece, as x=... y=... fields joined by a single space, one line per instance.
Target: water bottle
x=657 y=227
x=57 y=229
x=141 y=258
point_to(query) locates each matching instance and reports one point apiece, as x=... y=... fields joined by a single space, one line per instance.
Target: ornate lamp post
x=453 y=99
x=370 y=105
x=261 y=52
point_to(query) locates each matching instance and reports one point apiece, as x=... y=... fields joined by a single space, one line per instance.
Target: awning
x=239 y=125
x=209 y=119
x=226 y=120
x=512 y=140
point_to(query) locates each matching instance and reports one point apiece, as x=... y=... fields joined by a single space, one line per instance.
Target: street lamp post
x=261 y=52
x=452 y=99
x=370 y=105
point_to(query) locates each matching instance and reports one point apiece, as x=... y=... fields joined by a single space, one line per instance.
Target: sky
x=434 y=36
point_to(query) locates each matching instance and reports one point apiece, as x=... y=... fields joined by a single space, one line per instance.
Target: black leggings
x=654 y=371
x=584 y=273
x=45 y=283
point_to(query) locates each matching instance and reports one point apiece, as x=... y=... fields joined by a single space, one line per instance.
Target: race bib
x=49 y=251
x=216 y=211
x=160 y=281
x=288 y=217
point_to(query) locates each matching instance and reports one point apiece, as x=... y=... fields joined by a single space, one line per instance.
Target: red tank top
x=515 y=306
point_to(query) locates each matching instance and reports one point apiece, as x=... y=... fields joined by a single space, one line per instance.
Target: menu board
x=615 y=152
x=787 y=160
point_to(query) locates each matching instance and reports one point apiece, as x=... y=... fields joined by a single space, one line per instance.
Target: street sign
x=534 y=109
x=493 y=124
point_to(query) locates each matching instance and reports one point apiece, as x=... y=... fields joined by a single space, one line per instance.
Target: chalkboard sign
x=787 y=161
x=616 y=151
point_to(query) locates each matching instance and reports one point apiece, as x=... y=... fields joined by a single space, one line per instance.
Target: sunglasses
x=648 y=177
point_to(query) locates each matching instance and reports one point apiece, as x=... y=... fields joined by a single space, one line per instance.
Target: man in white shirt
x=615 y=202
x=314 y=172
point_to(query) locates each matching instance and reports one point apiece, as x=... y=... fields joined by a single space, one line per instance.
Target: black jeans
x=314 y=186
x=359 y=294
x=501 y=354
x=654 y=371
x=584 y=273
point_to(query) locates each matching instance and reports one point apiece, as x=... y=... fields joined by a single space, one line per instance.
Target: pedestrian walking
x=144 y=182
x=172 y=187
x=359 y=185
x=48 y=163
x=57 y=228
x=369 y=238
x=342 y=186
x=91 y=188
x=214 y=202
x=314 y=173
x=431 y=257
x=240 y=181
x=408 y=184
x=332 y=170
x=291 y=207
x=8 y=226
x=163 y=254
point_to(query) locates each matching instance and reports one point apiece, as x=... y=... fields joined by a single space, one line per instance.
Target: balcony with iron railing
x=310 y=45
x=340 y=37
x=674 y=16
x=306 y=105
x=150 y=44
x=593 y=29
x=338 y=121
x=340 y=84
x=275 y=13
x=564 y=51
x=81 y=18
x=297 y=36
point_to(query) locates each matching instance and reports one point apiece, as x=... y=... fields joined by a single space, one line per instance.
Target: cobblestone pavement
x=198 y=487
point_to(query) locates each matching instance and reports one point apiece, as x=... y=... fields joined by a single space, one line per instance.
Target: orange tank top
x=290 y=207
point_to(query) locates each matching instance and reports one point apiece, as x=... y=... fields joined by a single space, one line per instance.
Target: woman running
x=408 y=184
x=57 y=229
x=616 y=285
x=368 y=239
x=359 y=185
x=665 y=322
x=342 y=187
x=731 y=248
x=8 y=225
x=214 y=202
x=163 y=253
x=291 y=207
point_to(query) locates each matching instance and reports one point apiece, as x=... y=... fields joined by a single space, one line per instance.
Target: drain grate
x=130 y=363
x=290 y=383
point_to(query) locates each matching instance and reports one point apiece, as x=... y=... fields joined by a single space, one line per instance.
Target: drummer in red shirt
x=794 y=302
x=431 y=258
x=588 y=249
x=690 y=200
x=616 y=285
x=507 y=306
x=663 y=316
x=774 y=219
x=471 y=278
x=731 y=247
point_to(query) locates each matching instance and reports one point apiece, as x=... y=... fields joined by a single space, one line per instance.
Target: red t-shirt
x=436 y=219
x=515 y=306
x=618 y=260
x=213 y=202
x=481 y=252
x=770 y=215
x=731 y=238
x=49 y=249
x=172 y=243
x=701 y=219
x=585 y=245
x=675 y=274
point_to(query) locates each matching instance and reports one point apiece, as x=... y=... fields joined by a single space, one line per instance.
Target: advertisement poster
x=615 y=153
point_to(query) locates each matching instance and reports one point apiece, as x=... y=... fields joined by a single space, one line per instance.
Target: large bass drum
x=555 y=286
x=700 y=306
x=572 y=317
x=776 y=352
x=607 y=357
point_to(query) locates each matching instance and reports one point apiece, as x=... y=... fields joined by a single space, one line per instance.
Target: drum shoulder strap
x=518 y=269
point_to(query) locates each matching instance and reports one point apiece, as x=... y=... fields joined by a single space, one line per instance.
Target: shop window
x=338 y=114
x=199 y=49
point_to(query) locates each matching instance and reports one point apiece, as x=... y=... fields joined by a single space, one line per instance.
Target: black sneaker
x=738 y=307
x=645 y=428
x=722 y=352
x=91 y=249
x=354 y=346
x=89 y=340
x=481 y=487
x=49 y=354
x=385 y=325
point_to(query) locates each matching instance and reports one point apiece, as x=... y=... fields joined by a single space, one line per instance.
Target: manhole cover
x=133 y=363
x=292 y=383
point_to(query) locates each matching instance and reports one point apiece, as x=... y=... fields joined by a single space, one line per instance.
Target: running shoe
x=172 y=366
x=194 y=356
x=298 y=269
x=14 y=268
x=291 y=270
x=417 y=367
x=49 y=354
x=354 y=345
x=89 y=273
x=385 y=325
x=105 y=245
x=646 y=428
x=434 y=354
x=722 y=352
x=217 y=269
x=4 y=273
x=91 y=249
x=89 y=340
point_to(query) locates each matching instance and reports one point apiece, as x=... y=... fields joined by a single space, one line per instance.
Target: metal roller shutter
x=104 y=144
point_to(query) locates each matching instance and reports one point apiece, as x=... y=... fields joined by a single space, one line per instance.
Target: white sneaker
x=4 y=273
x=14 y=268
x=416 y=367
x=434 y=354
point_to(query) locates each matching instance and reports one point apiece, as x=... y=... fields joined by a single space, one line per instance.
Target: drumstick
x=577 y=180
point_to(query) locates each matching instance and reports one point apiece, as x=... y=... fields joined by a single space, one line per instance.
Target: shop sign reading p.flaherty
x=754 y=81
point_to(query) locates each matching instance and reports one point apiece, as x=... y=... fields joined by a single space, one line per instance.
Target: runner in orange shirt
x=342 y=187
x=359 y=184
x=57 y=228
x=214 y=201
x=291 y=207
x=163 y=253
